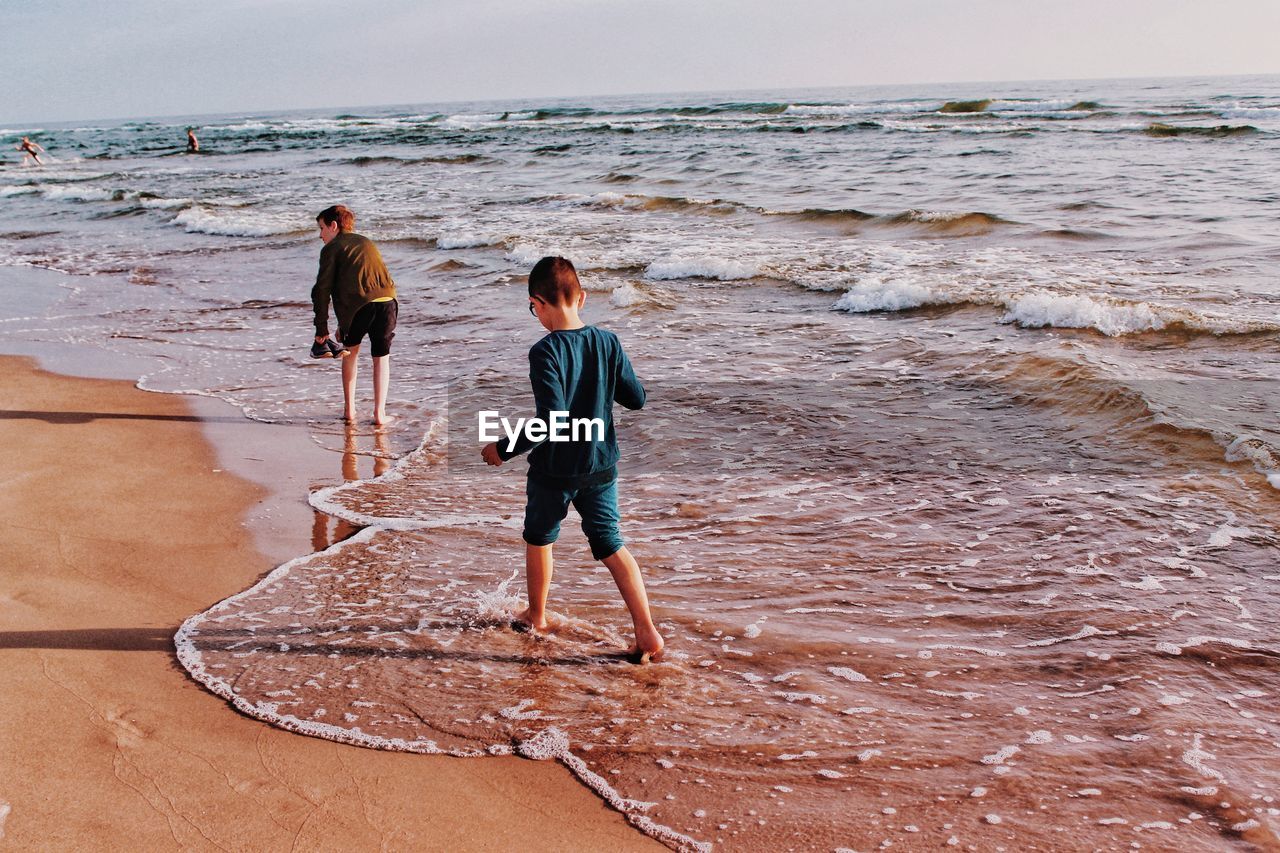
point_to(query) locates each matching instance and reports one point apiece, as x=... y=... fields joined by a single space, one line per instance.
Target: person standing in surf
x=193 y=144
x=582 y=371
x=354 y=277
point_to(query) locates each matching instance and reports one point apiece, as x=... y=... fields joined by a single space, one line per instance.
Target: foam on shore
x=239 y=223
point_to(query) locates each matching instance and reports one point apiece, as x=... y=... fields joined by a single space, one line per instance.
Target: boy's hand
x=321 y=338
x=490 y=454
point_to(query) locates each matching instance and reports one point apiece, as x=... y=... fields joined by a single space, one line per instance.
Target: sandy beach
x=119 y=522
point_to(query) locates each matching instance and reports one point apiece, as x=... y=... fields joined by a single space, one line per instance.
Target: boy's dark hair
x=555 y=281
x=340 y=214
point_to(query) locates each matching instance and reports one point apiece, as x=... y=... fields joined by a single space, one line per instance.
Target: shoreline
x=130 y=751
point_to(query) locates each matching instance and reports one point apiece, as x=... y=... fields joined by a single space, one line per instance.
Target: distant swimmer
x=193 y=144
x=30 y=149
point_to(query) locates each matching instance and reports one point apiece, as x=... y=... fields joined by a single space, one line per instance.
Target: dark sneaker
x=322 y=350
x=336 y=349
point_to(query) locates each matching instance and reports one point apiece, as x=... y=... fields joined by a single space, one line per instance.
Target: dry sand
x=117 y=525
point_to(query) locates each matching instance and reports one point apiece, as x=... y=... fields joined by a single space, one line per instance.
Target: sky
x=70 y=59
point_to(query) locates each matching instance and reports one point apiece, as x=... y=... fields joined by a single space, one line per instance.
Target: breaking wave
x=965 y=106
x=1040 y=309
x=459 y=159
x=1115 y=317
x=240 y=223
x=821 y=214
x=1182 y=404
x=722 y=269
x=467 y=240
x=958 y=224
x=1159 y=129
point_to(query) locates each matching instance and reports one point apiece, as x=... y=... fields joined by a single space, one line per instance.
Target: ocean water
x=956 y=493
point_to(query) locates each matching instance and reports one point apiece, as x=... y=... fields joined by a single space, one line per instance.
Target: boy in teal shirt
x=583 y=371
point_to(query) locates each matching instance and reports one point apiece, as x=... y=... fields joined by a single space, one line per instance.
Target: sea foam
x=1035 y=310
x=239 y=223
x=882 y=295
x=723 y=269
x=465 y=240
x=1038 y=308
x=73 y=193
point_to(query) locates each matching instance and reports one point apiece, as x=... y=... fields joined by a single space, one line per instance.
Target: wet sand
x=119 y=521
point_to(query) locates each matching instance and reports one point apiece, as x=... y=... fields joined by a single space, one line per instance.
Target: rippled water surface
x=956 y=491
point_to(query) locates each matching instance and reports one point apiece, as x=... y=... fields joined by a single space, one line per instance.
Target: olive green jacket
x=352 y=274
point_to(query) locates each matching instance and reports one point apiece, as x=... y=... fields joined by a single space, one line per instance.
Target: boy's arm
x=323 y=289
x=548 y=396
x=627 y=390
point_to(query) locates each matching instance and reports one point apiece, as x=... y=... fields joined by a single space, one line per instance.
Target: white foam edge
x=1086 y=631
x=1201 y=640
x=554 y=743
x=142 y=385
x=548 y=743
x=323 y=499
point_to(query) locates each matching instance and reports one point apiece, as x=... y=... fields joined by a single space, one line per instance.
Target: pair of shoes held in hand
x=329 y=349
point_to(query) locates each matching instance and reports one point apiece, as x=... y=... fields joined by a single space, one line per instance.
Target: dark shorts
x=598 y=506
x=378 y=321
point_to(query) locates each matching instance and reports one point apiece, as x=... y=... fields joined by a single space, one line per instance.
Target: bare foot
x=382 y=420
x=349 y=417
x=524 y=623
x=648 y=648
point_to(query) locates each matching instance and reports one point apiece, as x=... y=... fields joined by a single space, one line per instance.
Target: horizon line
x=650 y=94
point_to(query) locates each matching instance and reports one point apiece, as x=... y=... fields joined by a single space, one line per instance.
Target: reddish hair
x=340 y=214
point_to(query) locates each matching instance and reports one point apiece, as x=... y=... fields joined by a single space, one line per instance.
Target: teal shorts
x=598 y=506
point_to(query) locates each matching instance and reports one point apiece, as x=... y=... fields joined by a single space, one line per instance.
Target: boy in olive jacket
x=354 y=277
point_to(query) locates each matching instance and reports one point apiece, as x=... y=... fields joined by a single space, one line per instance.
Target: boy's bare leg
x=381 y=381
x=350 y=369
x=626 y=574
x=537 y=576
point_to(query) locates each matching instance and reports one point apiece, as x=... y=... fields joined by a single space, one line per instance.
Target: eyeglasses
x=531 y=311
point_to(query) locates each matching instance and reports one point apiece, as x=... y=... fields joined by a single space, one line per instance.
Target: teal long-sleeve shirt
x=582 y=372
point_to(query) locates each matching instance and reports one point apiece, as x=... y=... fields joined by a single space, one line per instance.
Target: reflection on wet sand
x=326 y=530
x=351 y=453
